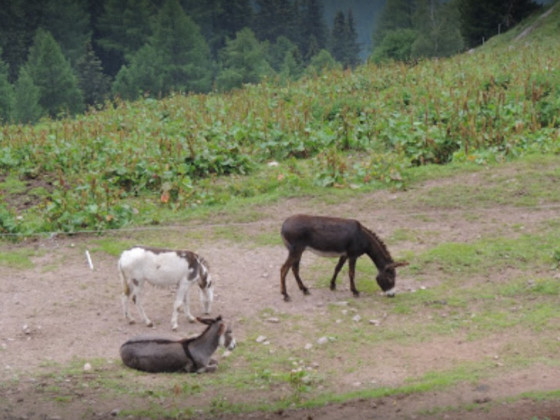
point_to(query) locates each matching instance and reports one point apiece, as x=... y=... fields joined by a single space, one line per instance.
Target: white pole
x=89 y=260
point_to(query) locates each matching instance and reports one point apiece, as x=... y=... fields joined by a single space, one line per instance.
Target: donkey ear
x=397 y=264
x=205 y=321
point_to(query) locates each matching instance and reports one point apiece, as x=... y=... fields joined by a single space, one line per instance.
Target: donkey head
x=226 y=338
x=386 y=277
x=206 y=288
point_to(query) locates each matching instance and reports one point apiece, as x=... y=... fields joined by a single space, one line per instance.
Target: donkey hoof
x=356 y=293
x=306 y=292
x=287 y=298
x=149 y=324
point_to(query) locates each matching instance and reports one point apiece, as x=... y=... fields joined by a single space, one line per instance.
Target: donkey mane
x=377 y=240
x=186 y=341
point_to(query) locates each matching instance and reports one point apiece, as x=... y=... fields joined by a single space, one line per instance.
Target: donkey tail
x=124 y=281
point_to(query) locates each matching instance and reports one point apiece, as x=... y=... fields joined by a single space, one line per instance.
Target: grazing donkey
x=335 y=237
x=163 y=354
x=164 y=267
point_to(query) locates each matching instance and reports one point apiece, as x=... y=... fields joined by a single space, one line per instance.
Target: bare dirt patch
x=60 y=310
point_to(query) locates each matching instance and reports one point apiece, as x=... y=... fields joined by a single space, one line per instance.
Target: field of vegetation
x=154 y=161
x=454 y=162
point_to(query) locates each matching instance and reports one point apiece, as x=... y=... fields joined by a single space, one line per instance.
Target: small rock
x=26 y=329
x=273 y=320
x=115 y=412
x=308 y=346
x=375 y=322
x=87 y=367
x=261 y=339
x=356 y=318
x=322 y=340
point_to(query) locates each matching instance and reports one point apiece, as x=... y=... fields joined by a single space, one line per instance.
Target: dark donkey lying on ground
x=335 y=237
x=163 y=354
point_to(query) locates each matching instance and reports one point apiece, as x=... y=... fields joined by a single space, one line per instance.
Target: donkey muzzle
x=390 y=292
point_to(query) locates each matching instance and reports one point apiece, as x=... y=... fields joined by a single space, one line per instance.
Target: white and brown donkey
x=164 y=267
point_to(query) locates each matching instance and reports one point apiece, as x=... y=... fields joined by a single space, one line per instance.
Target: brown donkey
x=346 y=239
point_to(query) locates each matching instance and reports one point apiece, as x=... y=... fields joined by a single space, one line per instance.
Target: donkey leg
x=206 y=298
x=351 y=272
x=181 y=299
x=136 y=298
x=124 y=302
x=295 y=270
x=186 y=305
x=283 y=272
x=125 y=297
x=337 y=269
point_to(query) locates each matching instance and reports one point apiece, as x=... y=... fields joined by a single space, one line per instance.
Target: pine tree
x=292 y=66
x=68 y=22
x=323 y=61
x=397 y=14
x=438 y=32
x=314 y=30
x=184 y=52
x=6 y=93
x=26 y=107
x=52 y=74
x=175 y=58
x=481 y=20
x=275 y=18
x=91 y=80
x=338 y=37
x=396 y=45
x=344 y=40
x=18 y=22
x=124 y=27
x=243 y=60
x=219 y=19
x=352 y=45
x=276 y=52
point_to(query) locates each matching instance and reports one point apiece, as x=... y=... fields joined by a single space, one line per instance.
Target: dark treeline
x=58 y=57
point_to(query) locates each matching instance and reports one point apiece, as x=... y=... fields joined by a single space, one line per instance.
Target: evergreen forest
x=61 y=57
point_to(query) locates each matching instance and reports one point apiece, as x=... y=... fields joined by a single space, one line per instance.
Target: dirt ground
x=61 y=309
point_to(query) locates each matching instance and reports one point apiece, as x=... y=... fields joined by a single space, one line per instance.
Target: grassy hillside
x=152 y=161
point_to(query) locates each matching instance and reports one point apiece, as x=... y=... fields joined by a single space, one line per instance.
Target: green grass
x=19 y=258
x=477 y=110
x=503 y=283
